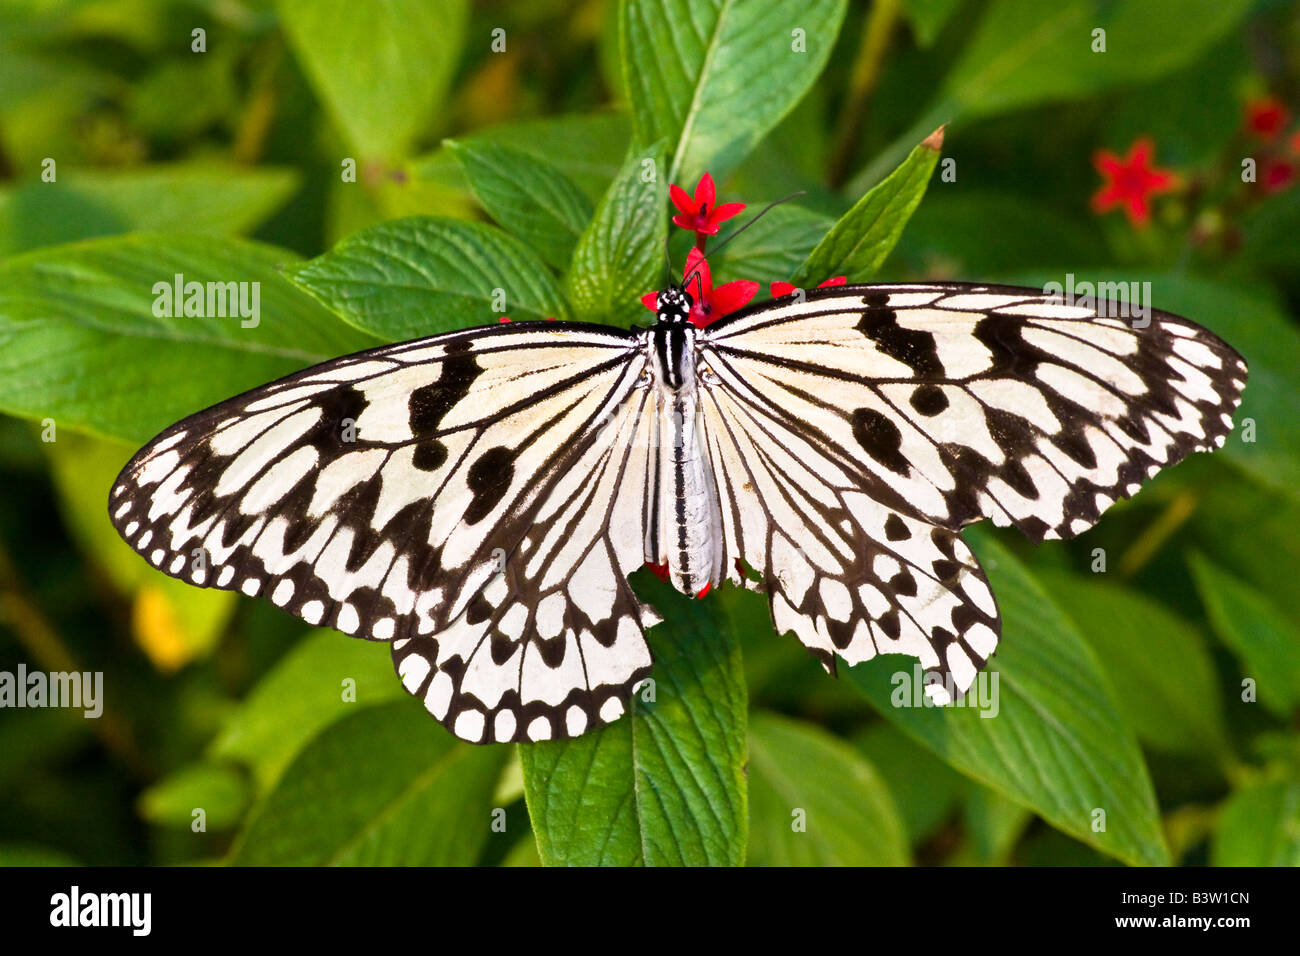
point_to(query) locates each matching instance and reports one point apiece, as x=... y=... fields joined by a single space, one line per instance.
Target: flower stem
x=862 y=83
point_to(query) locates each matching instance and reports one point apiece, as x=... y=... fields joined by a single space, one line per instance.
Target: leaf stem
x=876 y=32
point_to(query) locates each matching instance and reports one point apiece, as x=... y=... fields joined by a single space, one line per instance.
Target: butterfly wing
x=845 y=562
x=855 y=432
x=415 y=493
x=986 y=401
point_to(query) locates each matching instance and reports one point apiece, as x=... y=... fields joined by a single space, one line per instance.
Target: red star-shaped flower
x=1277 y=175
x=780 y=288
x=1131 y=181
x=709 y=304
x=1266 y=117
x=700 y=213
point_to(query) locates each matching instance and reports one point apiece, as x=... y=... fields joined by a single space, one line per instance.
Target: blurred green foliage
x=382 y=169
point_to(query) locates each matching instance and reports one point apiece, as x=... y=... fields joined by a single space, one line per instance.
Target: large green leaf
x=423 y=275
x=386 y=786
x=80 y=343
x=815 y=801
x=1157 y=662
x=528 y=196
x=1259 y=826
x=619 y=257
x=1023 y=54
x=381 y=68
x=325 y=678
x=1247 y=621
x=665 y=784
x=1057 y=742
x=190 y=197
x=714 y=76
x=865 y=235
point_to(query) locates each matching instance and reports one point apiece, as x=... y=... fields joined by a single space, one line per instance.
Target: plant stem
x=862 y=83
x=1156 y=534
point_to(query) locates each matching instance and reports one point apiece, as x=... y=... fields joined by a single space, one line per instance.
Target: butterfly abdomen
x=690 y=530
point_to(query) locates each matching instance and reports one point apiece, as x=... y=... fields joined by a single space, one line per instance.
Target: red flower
x=1266 y=117
x=699 y=213
x=1278 y=175
x=709 y=304
x=1131 y=181
x=785 y=288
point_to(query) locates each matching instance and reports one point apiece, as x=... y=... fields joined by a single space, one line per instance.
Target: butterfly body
x=477 y=499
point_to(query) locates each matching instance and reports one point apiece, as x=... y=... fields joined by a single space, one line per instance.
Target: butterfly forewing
x=986 y=402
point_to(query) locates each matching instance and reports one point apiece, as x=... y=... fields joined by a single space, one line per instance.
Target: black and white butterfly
x=478 y=498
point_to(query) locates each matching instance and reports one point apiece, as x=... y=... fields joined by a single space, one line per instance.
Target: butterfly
x=477 y=499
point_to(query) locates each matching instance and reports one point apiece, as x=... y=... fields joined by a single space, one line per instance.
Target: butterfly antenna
x=762 y=212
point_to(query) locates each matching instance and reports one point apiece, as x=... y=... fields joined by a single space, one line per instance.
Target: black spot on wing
x=895 y=529
x=429 y=455
x=914 y=348
x=880 y=438
x=488 y=478
x=429 y=404
x=929 y=400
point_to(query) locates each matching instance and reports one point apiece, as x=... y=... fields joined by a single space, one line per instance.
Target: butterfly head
x=674 y=305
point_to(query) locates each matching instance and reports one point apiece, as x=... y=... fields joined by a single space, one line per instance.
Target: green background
x=1147 y=712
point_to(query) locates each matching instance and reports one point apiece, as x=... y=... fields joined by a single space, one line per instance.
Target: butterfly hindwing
x=846 y=565
x=555 y=642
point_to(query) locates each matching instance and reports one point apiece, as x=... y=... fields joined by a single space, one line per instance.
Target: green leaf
x=665 y=784
x=863 y=238
x=714 y=76
x=423 y=275
x=528 y=196
x=773 y=248
x=193 y=197
x=80 y=343
x=1259 y=826
x=381 y=68
x=1267 y=644
x=1157 y=662
x=220 y=792
x=927 y=18
x=589 y=148
x=323 y=679
x=925 y=790
x=1022 y=55
x=384 y=787
x=994 y=823
x=815 y=801
x=619 y=257
x=1056 y=741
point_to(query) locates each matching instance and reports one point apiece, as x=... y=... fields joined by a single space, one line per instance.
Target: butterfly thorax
x=687 y=534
